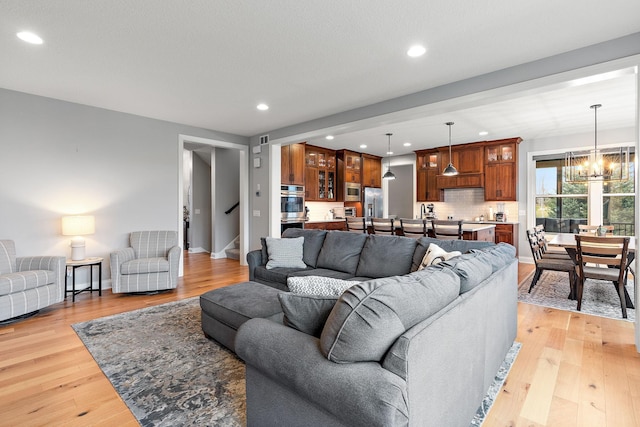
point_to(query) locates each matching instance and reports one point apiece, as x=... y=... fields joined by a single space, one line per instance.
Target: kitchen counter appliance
x=292 y=209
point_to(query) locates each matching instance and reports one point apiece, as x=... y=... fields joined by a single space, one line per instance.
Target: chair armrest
x=254 y=259
x=57 y=264
x=174 y=262
x=117 y=258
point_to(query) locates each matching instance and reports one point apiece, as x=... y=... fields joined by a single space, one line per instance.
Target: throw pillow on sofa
x=370 y=316
x=306 y=313
x=285 y=252
x=436 y=254
x=318 y=285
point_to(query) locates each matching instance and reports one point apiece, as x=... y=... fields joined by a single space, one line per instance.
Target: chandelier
x=609 y=164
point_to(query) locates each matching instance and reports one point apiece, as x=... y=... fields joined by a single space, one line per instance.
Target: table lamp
x=78 y=226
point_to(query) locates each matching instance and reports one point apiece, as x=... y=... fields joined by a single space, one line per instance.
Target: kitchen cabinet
x=292 y=169
x=427 y=169
x=371 y=171
x=468 y=160
x=327 y=225
x=348 y=170
x=501 y=170
x=507 y=233
x=484 y=235
x=320 y=174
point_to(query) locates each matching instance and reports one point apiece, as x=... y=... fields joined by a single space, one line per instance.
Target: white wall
x=59 y=158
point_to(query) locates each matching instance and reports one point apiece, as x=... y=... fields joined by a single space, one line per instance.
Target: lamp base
x=77 y=249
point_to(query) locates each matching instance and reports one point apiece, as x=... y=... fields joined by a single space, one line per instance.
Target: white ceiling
x=209 y=63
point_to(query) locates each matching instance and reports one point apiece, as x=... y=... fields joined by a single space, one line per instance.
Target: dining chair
x=383 y=226
x=603 y=258
x=548 y=251
x=446 y=229
x=415 y=228
x=356 y=224
x=547 y=263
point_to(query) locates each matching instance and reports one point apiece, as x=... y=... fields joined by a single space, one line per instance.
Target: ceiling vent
x=264 y=139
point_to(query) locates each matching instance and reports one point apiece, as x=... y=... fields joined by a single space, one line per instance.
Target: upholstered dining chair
x=356 y=224
x=447 y=229
x=543 y=263
x=415 y=228
x=383 y=226
x=149 y=264
x=29 y=283
x=607 y=260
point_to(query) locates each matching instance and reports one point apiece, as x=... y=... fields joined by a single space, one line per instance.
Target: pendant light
x=389 y=175
x=450 y=170
x=610 y=164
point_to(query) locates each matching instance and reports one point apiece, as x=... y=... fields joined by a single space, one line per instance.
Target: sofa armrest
x=174 y=262
x=57 y=264
x=293 y=360
x=254 y=259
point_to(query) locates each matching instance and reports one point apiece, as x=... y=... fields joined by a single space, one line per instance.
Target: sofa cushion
x=21 y=281
x=472 y=269
x=145 y=265
x=7 y=256
x=384 y=256
x=318 y=285
x=285 y=252
x=435 y=254
x=498 y=255
x=278 y=275
x=369 y=317
x=313 y=240
x=325 y=272
x=306 y=313
x=341 y=251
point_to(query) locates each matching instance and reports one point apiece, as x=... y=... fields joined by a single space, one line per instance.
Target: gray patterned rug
x=169 y=374
x=599 y=297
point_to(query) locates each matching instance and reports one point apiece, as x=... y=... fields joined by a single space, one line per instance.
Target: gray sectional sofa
x=400 y=348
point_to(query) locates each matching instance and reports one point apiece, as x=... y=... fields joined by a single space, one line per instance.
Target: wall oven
x=292 y=203
x=352 y=192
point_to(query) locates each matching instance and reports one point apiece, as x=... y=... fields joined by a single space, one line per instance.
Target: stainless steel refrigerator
x=372 y=206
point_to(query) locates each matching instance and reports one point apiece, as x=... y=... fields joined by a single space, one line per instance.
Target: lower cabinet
x=507 y=233
x=485 y=235
x=328 y=225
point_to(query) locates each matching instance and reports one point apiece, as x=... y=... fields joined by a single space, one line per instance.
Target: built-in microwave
x=352 y=192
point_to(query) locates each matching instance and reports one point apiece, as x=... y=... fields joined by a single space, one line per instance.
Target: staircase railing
x=228 y=211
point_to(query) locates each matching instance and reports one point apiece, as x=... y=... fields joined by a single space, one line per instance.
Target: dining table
x=568 y=242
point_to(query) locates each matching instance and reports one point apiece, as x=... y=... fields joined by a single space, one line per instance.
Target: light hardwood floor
x=573 y=369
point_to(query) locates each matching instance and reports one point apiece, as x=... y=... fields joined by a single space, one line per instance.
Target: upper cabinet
x=348 y=170
x=427 y=169
x=292 y=170
x=320 y=174
x=371 y=171
x=468 y=160
x=501 y=169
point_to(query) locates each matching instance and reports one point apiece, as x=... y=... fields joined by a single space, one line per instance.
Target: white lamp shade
x=78 y=225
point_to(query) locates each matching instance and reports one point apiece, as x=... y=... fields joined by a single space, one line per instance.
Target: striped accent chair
x=149 y=264
x=28 y=284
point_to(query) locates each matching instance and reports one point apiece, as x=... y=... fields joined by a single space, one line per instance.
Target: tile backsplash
x=468 y=204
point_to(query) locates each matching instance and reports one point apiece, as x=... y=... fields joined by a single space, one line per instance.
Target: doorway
x=241 y=196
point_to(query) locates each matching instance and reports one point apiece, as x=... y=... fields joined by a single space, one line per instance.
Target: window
x=561 y=205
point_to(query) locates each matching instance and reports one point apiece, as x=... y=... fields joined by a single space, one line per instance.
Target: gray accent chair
x=149 y=264
x=28 y=284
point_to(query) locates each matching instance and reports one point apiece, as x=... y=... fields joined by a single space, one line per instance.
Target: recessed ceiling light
x=329 y=137
x=29 y=37
x=363 y=145
x=483 y=133
x=262 y=107
x=389 y=153
x=416 y=51
x=407 y=144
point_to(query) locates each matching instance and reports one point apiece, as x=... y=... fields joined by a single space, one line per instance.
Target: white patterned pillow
x=285 y=252
x=435 y=254
x=319 y=285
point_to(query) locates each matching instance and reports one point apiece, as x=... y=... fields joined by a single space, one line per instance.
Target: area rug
x=169 y=374
x=599 y=297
